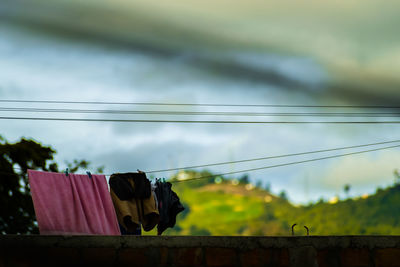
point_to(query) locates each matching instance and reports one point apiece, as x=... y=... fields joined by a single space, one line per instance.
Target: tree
x=17 y=215
x=244 y=179
x=346 y=189
x=283 y=195
x=397 y=176
x=268 y=187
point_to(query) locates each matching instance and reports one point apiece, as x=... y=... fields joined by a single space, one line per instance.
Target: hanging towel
x=134 y=201
x=73 y=204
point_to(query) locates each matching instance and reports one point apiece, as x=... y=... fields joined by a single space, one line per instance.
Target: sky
x=41 y=64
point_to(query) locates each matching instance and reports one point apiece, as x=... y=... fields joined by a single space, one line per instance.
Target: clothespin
x=66 y=171
x=163 y=179
x=89 y=174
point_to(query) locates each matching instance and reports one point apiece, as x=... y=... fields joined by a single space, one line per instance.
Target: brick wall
x=351 y=251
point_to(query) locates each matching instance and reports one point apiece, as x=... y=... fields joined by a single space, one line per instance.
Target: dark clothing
x=138 y=231
x=133 y=201
x=169 y=206
x=125 y=191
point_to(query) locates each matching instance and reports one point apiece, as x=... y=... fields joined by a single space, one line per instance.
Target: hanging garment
x=133 y=201
x=169 y=205
x=138 y=230
x=73 y=204
x=123 y=188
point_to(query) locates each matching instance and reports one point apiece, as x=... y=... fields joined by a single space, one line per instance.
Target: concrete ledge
x=31 y=250
x=318 y=242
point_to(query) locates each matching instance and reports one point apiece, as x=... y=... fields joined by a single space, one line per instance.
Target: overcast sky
x=39 y=66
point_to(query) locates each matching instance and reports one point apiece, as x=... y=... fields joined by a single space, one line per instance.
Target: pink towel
x=73 y=204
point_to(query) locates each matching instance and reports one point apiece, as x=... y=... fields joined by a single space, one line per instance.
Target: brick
x=2 y=258
x=98 y=256
x=25 y=256
x=254 y=258
x=328 y=257
x=62 y=257
x=220 y=257
x=387 y=257
x=303 y=256
x=188 y=257
x=133 y=257
x=279 y=257
x=164 y=257
x=351 y=257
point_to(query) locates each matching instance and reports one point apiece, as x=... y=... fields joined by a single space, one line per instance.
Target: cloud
x=369 y=170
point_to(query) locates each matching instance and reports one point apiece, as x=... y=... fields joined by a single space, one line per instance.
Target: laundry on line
x=77 y=204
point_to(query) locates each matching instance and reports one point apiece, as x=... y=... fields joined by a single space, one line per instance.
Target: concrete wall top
x=239 y=242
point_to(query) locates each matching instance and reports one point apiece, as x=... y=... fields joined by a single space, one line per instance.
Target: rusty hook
x=293 y=228
x=308 y=231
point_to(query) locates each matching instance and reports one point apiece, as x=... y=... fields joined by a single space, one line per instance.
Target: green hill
x=241 y=209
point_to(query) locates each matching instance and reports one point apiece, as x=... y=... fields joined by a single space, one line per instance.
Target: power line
x=271 y=157
x=194 y=104
x=196 y=113
x=286 y=164
x=202 y=121
x=270 y=166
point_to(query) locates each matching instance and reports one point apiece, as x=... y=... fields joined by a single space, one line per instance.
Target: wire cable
x=194 y=104
x=270 y=157
x=285 y=164
x=196 y=113
x=266 y=167
x=202 y=121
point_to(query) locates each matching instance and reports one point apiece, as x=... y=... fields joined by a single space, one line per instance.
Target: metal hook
x=89 y=174
x=308 y=231
x=293 y=228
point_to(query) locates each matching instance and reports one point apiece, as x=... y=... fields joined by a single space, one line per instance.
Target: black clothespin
x=66 y=172
x=89 y=174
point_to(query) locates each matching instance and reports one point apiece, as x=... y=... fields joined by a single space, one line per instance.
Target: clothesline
x=285 y=164
x=271 y=157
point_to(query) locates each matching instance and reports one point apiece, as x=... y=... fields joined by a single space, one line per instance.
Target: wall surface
x=181 y=251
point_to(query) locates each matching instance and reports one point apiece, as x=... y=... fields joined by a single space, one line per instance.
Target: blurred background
x=301 y=59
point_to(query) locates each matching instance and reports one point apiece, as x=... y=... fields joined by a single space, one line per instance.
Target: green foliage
x=16 y=209
x=244 y=179
x=226 y=209
x=17 y=215
x=190 y=174
x=346 y=189
x=81 y=164
x=397 y=176
x=283 y=195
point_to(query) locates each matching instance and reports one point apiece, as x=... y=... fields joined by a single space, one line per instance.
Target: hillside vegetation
x=227 y=208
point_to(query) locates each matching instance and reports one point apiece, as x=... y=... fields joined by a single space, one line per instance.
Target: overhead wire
x=284 y=164
x=196 y=121
x=196 y=113
x=270 y=157
x=277 y=165
x=196 y=104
